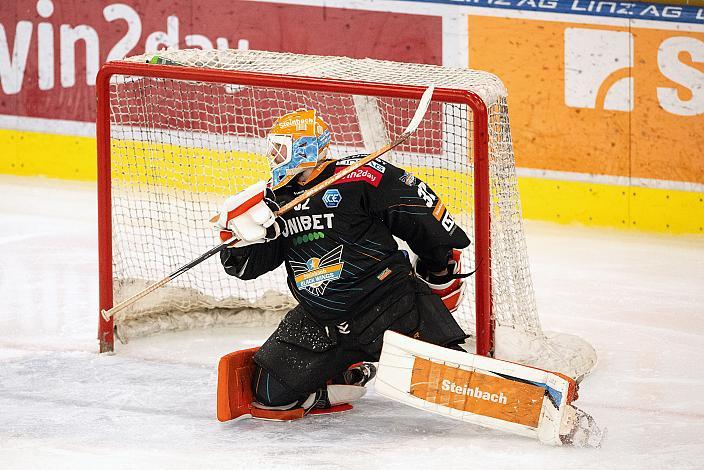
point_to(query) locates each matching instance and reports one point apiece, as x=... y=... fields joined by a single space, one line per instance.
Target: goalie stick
x=410 y=129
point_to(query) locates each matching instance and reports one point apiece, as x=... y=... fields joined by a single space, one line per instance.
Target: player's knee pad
x=269 y=391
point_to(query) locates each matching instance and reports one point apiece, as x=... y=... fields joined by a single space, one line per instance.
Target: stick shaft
x=336 y=177
x=152 y=287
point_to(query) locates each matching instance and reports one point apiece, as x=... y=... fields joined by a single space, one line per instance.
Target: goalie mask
x=295 y=143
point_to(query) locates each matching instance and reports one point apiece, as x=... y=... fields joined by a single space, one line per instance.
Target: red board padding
x=235 y=384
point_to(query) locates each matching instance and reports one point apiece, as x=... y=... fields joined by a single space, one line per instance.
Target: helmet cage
x=291 y=152
x=278 y=144
x=298 y=154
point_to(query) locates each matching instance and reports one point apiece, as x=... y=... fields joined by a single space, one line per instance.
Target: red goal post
x=157 y=124
x=481 y=188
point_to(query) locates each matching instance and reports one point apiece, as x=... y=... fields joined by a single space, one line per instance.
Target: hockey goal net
x=179 y=134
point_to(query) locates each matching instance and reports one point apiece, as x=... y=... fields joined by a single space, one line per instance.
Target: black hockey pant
x=303 y=354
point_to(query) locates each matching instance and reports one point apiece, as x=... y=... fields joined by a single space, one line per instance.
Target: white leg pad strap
x=338 y=395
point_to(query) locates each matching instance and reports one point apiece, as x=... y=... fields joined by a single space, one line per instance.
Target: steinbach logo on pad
x=475 y=392
x=315 y=274
x=478 y=392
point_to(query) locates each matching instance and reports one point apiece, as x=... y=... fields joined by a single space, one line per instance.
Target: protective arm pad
x=252 y=261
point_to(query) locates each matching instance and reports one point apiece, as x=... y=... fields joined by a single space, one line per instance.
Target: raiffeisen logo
x=475 y=392
x=599 y=71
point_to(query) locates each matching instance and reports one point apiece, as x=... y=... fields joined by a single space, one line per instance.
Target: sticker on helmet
x=296 y=142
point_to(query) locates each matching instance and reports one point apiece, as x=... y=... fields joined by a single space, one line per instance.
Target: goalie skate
x=359 y=374
x=579 y=429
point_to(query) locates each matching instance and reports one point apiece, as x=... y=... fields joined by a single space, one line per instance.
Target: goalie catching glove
x=249 y=217
x=450 y=285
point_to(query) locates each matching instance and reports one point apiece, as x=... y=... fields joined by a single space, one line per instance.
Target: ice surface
x=639 y=299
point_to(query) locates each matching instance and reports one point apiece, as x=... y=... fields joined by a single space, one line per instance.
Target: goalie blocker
x=488 y=392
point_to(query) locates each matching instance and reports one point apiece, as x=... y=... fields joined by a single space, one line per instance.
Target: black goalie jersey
x=338 y=246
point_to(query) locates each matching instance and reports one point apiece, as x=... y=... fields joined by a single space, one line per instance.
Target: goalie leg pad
x=333 y=397
x=271 y=393
x=329 y=399
x=480 y=390
x=234 y=396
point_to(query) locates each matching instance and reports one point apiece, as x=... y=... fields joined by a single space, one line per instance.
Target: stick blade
x=420 y=112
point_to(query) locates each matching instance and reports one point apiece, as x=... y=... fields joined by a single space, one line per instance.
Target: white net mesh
x=179 y=147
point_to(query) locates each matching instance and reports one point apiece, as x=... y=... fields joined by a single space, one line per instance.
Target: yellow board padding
x=174 y=167
x=444 y=183
x=654 y=210
x=225 y=172
x=55 y=156
x=647 y=209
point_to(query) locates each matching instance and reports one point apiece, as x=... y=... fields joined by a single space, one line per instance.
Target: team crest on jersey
x=315 y=274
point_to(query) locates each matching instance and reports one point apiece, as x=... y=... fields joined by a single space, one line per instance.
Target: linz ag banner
x=630 y=10
x=50 y=50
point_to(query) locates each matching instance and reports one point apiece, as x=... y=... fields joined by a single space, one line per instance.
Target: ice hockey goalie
x=353 y=286
x=343 y=266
